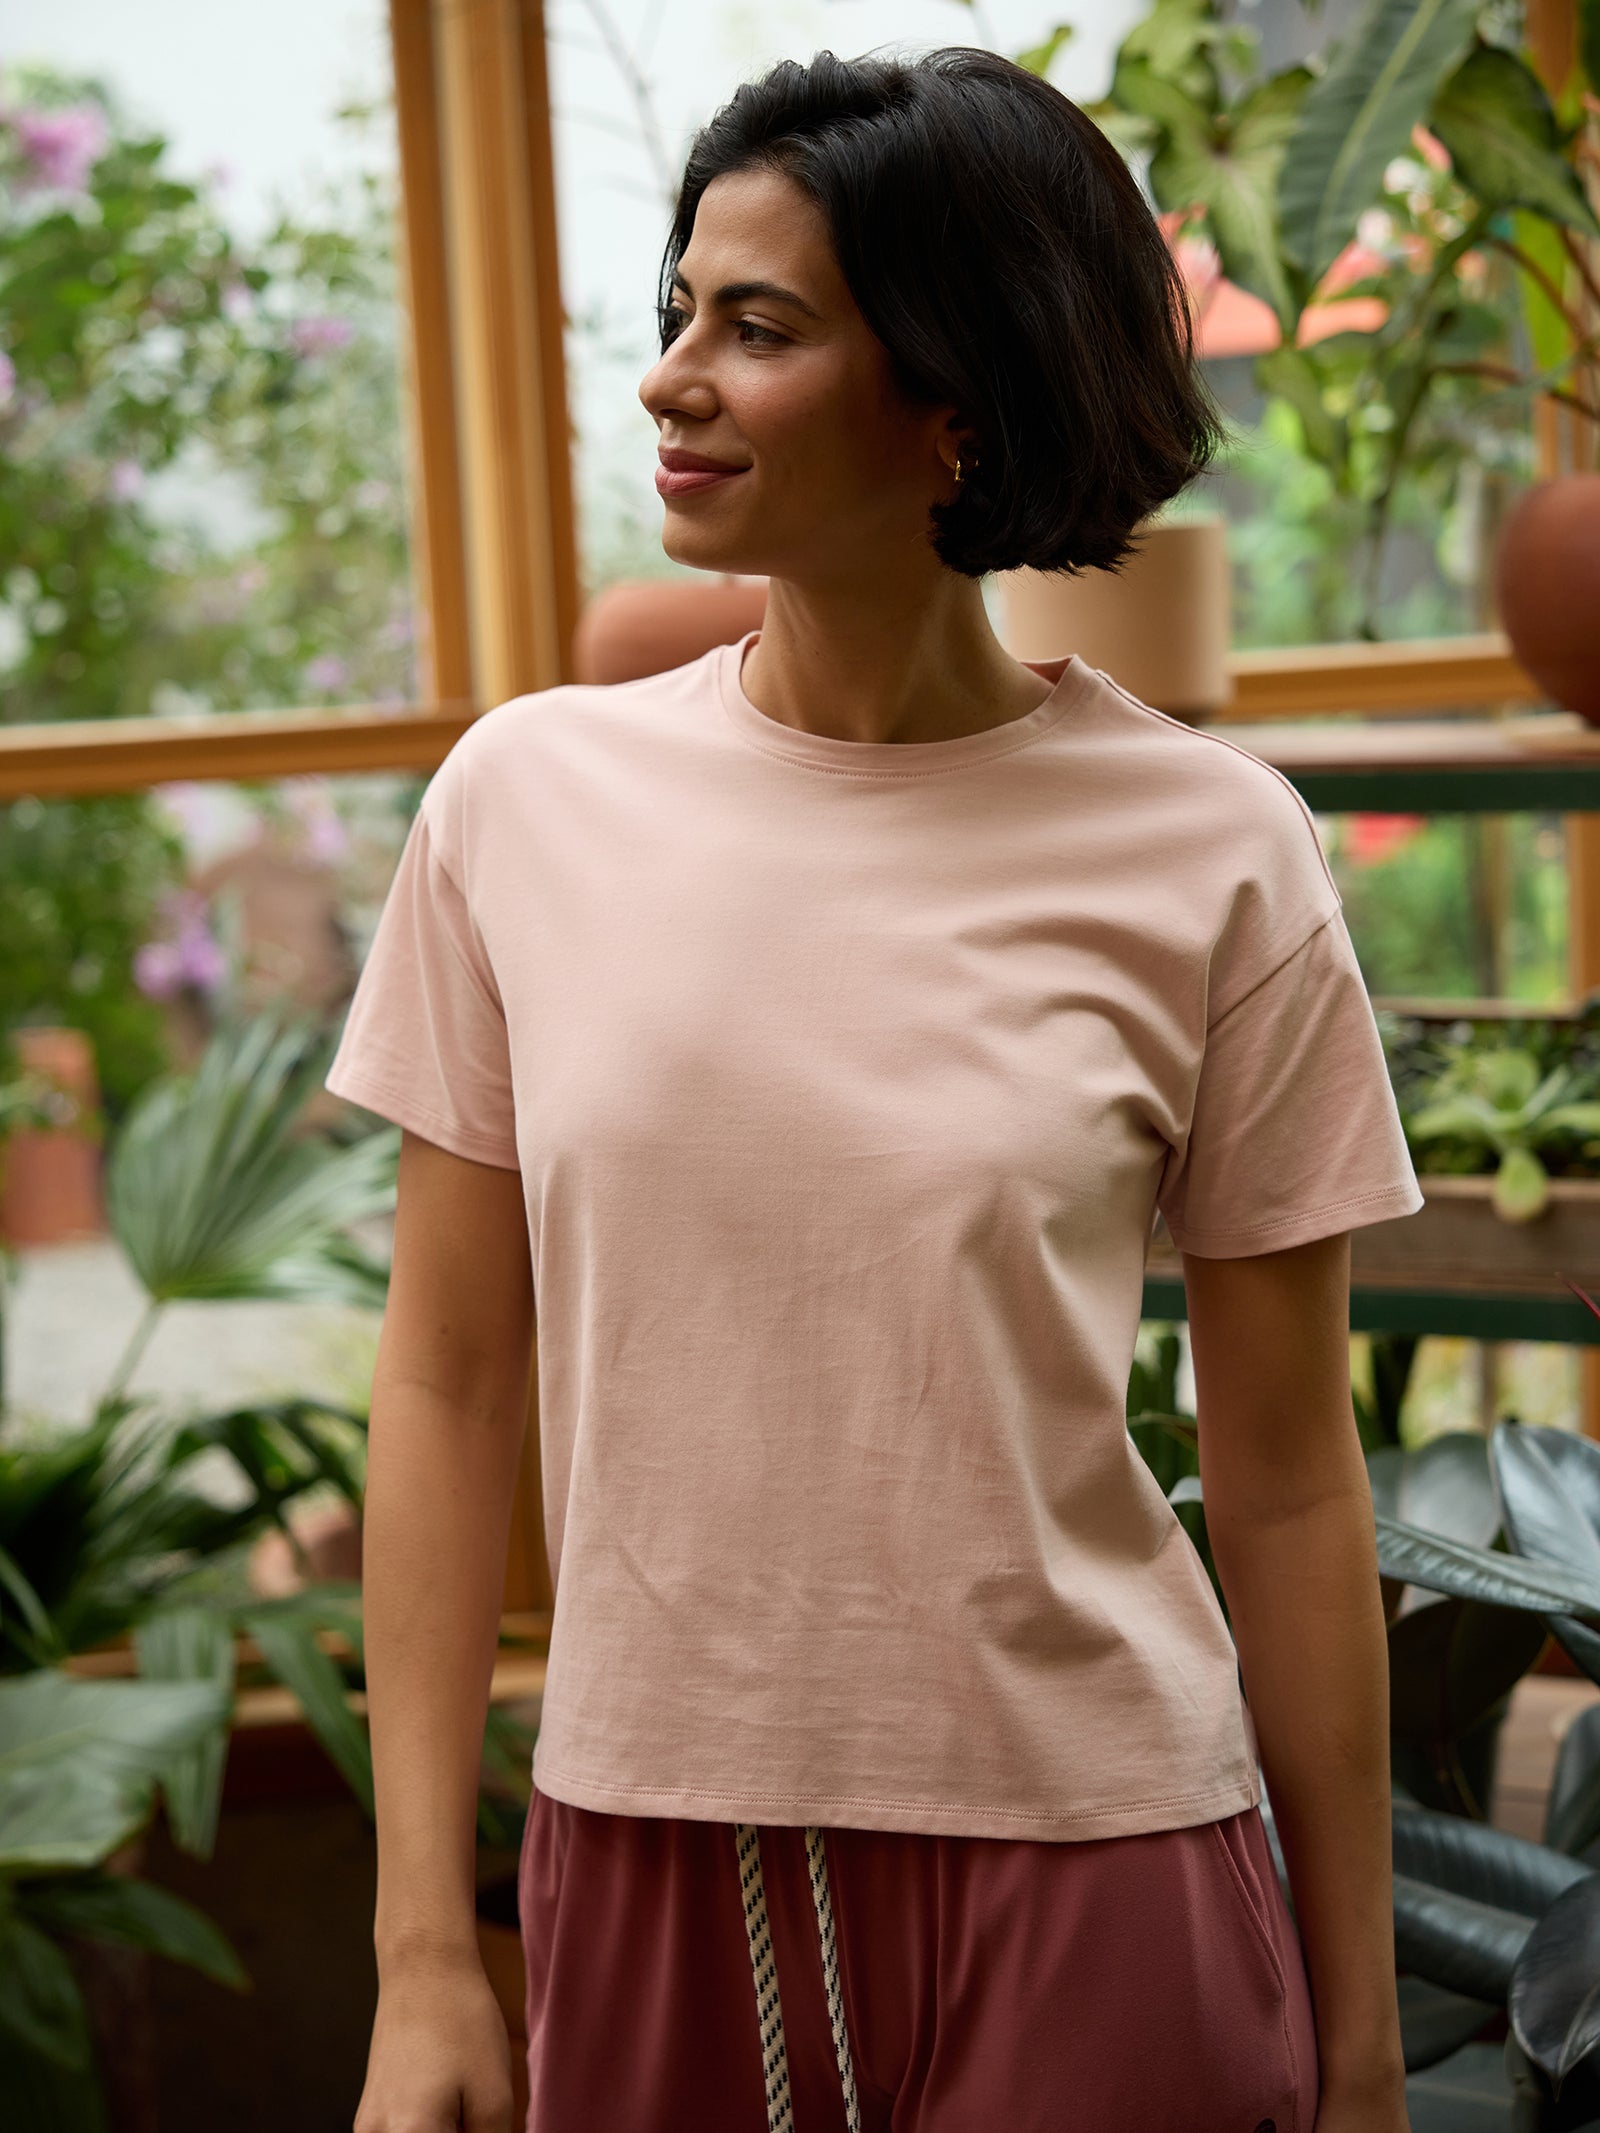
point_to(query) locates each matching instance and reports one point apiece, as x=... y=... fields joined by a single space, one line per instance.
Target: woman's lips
x=684 y=483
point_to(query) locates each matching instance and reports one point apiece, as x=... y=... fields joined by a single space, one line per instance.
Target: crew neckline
x=1067 y=673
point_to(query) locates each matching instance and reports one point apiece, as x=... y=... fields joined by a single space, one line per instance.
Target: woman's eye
x=673 y=319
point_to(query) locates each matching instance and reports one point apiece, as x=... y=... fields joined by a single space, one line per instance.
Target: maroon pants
x=1139 y=1984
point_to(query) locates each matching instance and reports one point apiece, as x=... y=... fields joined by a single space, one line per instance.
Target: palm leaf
x=209 y=1195
x=286 y=1635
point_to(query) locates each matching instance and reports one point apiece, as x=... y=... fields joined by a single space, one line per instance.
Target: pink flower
x=8 y=379
x=62 y=146
x=327 y=671
x=320 y=336
x=124 y=480
x=1369 y=839
x=326 y=838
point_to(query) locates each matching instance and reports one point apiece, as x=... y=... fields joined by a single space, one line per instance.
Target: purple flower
x=320 y=336
x=62 y=147
x=8 y=379
x=327 y=671
x=125 y=480
x=191 y=957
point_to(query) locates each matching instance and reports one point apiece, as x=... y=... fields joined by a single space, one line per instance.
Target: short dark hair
x=1000 y=249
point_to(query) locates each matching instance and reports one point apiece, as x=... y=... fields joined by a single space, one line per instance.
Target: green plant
x=1496 y=1102
x=1426 y=118
x=79 y=1765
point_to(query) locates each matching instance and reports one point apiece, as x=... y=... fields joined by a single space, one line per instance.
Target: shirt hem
x=696 y=1803
x=1389 y=1202
x=401 y=1108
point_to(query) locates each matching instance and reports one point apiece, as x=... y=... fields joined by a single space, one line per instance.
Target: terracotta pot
x=330 y=1534
x=1547 y=587
x=1159 y=626
x=50 y=1175
x=645 y=626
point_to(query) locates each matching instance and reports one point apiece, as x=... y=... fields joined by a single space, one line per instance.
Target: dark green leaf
x=134 y=1914
x=1455 y=1942
x=1418 y=1558
x=40 y=2004
x=1554 y=2001
x=1473 y=1859
x=290 y=1648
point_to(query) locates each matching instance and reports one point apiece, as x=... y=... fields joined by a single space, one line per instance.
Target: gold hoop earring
x=960 y=477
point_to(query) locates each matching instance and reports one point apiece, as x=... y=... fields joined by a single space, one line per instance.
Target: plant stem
x=1537 y=274
x=136 y=1346
x=643 y=102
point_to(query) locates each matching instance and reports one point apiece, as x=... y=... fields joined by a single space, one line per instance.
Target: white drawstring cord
x=764 y=1968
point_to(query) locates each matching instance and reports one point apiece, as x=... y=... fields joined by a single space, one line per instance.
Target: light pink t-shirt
x=844 y=1079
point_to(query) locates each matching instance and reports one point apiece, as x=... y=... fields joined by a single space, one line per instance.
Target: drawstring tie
x=764 y=1968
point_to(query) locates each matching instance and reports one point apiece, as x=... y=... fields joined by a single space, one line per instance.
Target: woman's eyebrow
x=740 y=292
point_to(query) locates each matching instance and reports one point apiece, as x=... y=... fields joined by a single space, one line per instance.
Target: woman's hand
x=440 y=2059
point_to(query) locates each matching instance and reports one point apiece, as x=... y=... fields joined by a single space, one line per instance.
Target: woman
x=815 y=1029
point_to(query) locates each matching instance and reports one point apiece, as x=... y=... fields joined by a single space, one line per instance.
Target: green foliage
x=79 y=1765
x=81 y=883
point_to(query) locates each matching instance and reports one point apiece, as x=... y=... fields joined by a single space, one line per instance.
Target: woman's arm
x=449 y=1409
x=1289 y=1516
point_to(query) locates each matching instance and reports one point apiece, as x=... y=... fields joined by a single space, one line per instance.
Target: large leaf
x=191 y=1644
x=1451 y=1663
x=1290 y=374
x=1456 y=1942
x=1232 y=170
x=1445 y=1486
x=1554 y=2002
x=40 y=2005
x=1549 y=1484
x=210 y=1194
x=1495 y=119
x=1572 y=1806
x=1418 y=1558
x=287 y=1637
x=1359 y=114
x=133 y=1914
x=1473 y=1859
x=78 y=1760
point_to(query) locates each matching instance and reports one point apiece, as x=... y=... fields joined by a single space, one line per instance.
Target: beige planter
x=1457 y=1241
x=1159 y=626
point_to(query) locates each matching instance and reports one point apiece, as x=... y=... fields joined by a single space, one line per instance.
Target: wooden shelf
x=1479 y=1315
x=1533 y=763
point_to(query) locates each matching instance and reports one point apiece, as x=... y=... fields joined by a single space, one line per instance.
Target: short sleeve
x=1294 y=1132
x=424 y=1041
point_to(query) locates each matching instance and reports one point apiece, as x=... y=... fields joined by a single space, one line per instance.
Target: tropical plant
x=79 y=1766
x=1496 y=1101
x=1396 y=170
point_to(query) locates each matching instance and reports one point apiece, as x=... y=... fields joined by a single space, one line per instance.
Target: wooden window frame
x=493 y=540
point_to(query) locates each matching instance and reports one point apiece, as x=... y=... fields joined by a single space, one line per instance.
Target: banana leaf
x=1554 y=1999
x=1358 y=115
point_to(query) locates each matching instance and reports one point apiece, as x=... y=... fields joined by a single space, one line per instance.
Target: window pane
x=200 y=403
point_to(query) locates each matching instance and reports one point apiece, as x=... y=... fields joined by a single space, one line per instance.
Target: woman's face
x=788 y=383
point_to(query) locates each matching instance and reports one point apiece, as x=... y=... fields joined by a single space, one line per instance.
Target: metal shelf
x=1480 y=1317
